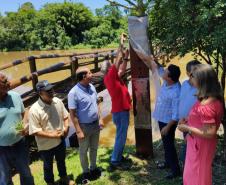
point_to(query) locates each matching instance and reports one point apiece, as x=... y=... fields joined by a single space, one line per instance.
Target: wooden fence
x=75 y=60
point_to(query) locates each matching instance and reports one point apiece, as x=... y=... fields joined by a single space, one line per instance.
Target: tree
x=135 y=7
x=55 y=26
x=48 y=34
x=17 y=26
x=74 y=18
x=110 y=23
x=27 y=6
x=111 y=14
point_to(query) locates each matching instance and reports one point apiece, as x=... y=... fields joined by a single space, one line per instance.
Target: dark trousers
x=59 y=152
x=171 y=158
x=15 y=156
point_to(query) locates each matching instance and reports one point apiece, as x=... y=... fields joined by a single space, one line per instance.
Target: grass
x=140 y=172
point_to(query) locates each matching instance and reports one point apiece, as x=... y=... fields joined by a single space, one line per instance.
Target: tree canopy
x=180 y=27
x=59 y=26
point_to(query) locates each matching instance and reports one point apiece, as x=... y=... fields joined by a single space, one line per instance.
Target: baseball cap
x=43 y=85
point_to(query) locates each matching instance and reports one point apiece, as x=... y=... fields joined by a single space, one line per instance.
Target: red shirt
x=118 y=91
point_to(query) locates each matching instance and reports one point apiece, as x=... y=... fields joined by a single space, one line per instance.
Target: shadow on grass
x=141 y=171
x=70 y=177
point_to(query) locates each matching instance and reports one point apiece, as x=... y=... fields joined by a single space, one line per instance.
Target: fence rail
x=89 y=59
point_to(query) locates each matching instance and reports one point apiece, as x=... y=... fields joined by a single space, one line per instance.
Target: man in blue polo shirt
x=13 y=151
x=187 y=98
x=82 y=104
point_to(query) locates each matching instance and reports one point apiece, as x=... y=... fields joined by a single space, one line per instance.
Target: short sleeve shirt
x=84 y=100
x=187 y=99
x=44 y=117
x=211 y=113
x=11 y=109
x=118 y=91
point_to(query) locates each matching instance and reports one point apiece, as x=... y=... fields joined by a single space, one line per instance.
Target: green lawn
x=141 y=172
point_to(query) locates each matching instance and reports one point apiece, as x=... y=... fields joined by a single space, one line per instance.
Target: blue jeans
x=15 y=156
x=47 y=156
x=121 y=120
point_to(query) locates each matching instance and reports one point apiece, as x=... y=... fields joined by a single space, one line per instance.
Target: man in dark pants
x=48 y=121
x=166 y=112
x=13 y=150
x=171 y=159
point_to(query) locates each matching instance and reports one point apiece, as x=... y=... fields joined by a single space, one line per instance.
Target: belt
x=91 y=123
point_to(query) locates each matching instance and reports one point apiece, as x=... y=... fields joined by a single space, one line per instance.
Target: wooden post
x=141 y=105
x=112 y=56
x=74 y=67
x=96 y=68
x=33 y=69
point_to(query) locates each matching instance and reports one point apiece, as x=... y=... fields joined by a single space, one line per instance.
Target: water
x=23 y=69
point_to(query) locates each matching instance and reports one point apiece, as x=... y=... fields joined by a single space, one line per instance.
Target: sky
x=13 y=5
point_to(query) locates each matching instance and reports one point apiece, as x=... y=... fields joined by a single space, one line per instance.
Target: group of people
x=48 y=121
x=195 y=108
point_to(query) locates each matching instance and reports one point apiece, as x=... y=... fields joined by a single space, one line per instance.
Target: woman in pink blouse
x=202 y=124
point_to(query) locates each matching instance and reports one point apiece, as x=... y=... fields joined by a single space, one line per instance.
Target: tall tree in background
x=110 y=23
x=55 y=26
x=16 y=27
x=74 y=18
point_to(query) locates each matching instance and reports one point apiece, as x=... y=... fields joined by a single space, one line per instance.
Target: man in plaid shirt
x=166 y=113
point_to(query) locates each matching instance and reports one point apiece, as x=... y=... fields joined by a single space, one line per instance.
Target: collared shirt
x=44 y=117
x=84 y=100
x=118 y=91
x=167 y=103
x=187 y=99
x=11 y=109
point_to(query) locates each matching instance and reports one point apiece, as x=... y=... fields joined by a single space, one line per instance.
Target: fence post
x=96 y=62
x=112 y=56
x=74 y=67
x=33 y=69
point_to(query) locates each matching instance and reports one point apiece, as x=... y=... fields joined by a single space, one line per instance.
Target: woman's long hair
x=207 y=82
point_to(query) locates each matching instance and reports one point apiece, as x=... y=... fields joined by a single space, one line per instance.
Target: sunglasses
x=50 y=91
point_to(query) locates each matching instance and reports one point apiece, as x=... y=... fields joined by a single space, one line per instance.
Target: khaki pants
x=90 y=142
